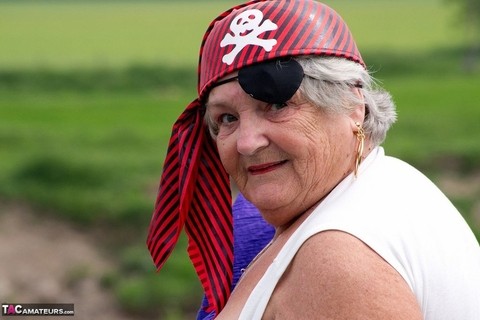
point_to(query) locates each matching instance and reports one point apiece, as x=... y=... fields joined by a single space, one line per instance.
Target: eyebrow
x=215 y=104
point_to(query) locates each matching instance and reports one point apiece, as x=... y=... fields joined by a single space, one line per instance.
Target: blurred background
x=89 y=91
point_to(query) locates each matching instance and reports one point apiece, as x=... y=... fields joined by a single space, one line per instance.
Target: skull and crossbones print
x=246 y=29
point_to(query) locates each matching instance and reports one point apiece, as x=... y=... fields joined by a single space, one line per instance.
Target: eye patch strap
x=219 y=83
x=274 y=81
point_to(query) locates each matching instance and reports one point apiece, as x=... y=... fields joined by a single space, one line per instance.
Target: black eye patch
x=273 y=81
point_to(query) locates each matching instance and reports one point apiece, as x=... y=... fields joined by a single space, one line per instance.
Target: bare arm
x=336 y=276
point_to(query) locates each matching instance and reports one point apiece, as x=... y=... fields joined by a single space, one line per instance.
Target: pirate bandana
x=257 y=39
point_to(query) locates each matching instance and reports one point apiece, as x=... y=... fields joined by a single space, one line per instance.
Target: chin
x=267 y=200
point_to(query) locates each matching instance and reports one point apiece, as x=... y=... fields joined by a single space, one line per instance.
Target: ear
x=358 y=113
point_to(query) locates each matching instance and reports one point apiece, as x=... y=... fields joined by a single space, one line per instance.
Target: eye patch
x=274 y=81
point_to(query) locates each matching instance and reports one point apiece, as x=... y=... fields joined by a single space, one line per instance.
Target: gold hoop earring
x=361 y=141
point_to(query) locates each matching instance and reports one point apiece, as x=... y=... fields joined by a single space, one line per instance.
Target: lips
x=265 y=168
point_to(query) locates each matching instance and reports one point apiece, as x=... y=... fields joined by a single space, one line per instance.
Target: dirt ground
x=46 y=261
x=43 y=260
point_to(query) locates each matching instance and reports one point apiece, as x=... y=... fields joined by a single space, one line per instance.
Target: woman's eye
x=278 y=106
x=226 y=118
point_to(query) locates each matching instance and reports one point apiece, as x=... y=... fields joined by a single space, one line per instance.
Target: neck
x=290 y=227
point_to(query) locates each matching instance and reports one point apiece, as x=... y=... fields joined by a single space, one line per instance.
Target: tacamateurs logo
x=30 y=309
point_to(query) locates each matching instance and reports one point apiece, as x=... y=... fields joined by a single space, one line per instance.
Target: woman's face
x=284 y=158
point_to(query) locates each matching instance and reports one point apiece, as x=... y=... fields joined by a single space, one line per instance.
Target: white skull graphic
x=246 y=27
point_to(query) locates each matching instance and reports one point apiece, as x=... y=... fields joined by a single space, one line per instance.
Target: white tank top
x=410 y=223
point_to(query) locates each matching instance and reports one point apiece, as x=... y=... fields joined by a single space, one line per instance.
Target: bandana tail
x=195 y=192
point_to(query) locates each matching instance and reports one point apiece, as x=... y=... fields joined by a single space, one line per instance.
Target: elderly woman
x=288 y=111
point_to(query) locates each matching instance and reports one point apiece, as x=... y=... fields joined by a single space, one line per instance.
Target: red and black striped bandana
x=195 y=190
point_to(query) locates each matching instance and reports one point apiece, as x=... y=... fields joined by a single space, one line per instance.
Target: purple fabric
x=250 y=234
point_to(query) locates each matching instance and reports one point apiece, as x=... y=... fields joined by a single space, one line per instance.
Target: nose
x=251 y=135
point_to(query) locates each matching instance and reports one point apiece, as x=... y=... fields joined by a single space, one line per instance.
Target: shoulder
x=336 y=276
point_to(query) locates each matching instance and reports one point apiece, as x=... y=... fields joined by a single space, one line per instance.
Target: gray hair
x=328 y=84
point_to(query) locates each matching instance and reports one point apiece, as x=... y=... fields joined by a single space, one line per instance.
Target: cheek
x=228 y=154
x=316 y=151
x=315 y=160
x=334 y=155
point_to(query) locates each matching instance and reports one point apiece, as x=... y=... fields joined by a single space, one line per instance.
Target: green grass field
x=98 y=34
x=89 y=91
